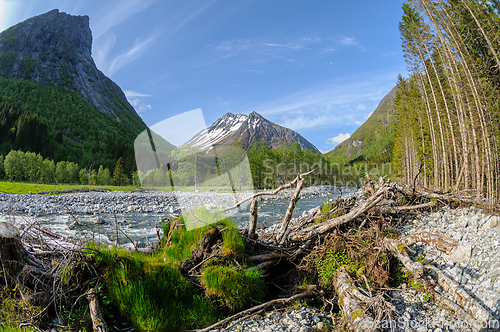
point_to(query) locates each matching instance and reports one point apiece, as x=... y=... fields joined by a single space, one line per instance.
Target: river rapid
x=138 y=215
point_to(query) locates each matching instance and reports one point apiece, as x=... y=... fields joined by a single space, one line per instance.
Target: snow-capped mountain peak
x=246 y=129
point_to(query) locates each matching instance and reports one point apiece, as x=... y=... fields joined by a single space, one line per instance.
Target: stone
x=461 y=253
x=98 y=220
x=490 y=223
x=473 y=223
x=320 y=326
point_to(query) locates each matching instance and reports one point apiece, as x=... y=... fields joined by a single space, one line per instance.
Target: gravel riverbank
x=152 y=201
x=478 y=274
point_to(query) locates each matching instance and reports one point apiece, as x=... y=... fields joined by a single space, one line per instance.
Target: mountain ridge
x=247 y=129
x=49 y=79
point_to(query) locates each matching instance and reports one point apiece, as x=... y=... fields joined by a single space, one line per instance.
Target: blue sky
x=318 y=67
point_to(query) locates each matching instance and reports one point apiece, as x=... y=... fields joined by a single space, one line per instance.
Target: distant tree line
x=29 y=166
x=447 y=131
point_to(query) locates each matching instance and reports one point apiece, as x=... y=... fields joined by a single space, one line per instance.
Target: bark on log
x=282 y=234
x=12 y=253
x=467 y=302
x=98 y=323
x=358 y=320
x=399 y=250
x=252 y=224
x=439 y=241
x=460 y=312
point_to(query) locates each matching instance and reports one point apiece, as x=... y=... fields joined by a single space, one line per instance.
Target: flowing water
x=142 y=228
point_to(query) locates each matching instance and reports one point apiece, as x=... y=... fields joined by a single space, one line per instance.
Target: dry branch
x=56 y=236
x=399 y=250
x=282 y=234
x=257 y=308
x=252 y=224
x=268 y=193
x=439 y=241
x=329 y=224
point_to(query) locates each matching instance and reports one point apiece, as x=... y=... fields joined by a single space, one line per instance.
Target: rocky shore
x=477 y=270
x=151 y=201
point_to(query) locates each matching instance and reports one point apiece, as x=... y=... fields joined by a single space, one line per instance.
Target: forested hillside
x=448 y=126
x=373 y=141
x=61 y=125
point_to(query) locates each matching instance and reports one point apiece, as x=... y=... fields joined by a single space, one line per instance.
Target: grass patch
x=27 y=187
x=236 y=288
x=233 y=243
x=151 y=293
x=183 y=239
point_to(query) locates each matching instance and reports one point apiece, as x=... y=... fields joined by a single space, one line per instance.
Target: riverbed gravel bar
x=477 y=270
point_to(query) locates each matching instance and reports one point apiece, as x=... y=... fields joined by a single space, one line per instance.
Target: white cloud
x=338 y=139
x=367 y=116
x=132 y=94
x=348 y=41
x=117 y=13
x=358 y=123
x=331 y=104
x=139 y=105
x=111 y=66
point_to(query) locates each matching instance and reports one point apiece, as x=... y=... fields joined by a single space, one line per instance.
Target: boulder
x=98 y=220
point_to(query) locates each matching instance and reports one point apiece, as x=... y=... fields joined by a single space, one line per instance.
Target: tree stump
x=12 y=253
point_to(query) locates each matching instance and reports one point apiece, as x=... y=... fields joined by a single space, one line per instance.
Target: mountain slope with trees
x=373 y=140
x=54 y=100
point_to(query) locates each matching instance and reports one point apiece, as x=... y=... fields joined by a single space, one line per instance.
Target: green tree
x=61 y=173
x=13 y=165
x=1 y=166
x=119 y=174
x=71 y=172
x=47 y=173
x=83 y=176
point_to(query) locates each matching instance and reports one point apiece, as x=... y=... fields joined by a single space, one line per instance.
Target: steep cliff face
x=231 y=128
x=56 y=48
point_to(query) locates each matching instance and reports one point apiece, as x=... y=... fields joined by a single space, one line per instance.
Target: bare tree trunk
x=252 y=224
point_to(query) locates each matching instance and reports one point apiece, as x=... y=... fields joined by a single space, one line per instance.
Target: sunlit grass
x=27 y=187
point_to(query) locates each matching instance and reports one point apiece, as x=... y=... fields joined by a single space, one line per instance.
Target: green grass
x=15 y=328
x=235 y=287
x=26 y=187
x=151 y=293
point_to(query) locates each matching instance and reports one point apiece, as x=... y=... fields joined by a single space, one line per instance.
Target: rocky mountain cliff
x=243 y=129
x=56 y=48
x=373 y=139
x=54 y=100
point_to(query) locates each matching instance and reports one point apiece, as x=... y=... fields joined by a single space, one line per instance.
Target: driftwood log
x=349 y=301
x=98 y=323
x=12 y=253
